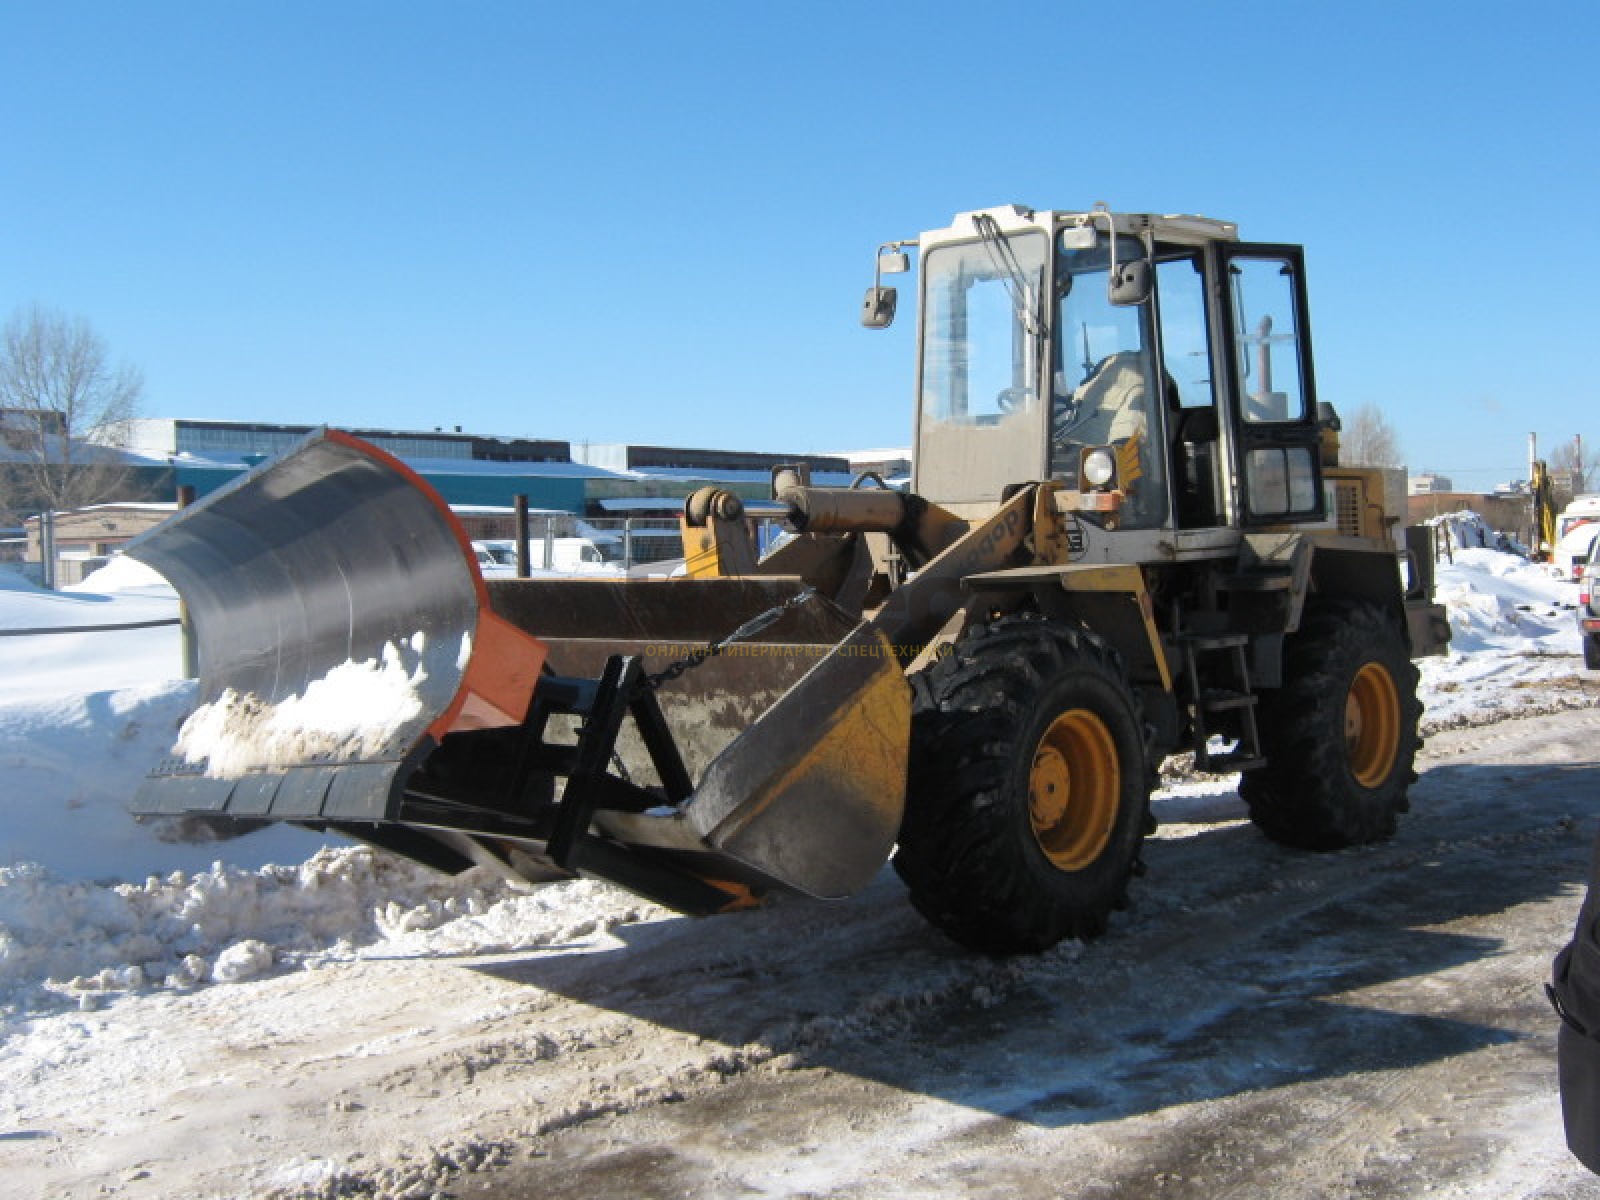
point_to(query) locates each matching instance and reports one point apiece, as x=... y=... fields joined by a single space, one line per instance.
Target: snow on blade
x=355 y=711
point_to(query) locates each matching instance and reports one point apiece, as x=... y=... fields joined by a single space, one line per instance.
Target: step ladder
x=1237 y=694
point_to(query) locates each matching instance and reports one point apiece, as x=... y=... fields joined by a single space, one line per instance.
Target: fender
x=1110 y=598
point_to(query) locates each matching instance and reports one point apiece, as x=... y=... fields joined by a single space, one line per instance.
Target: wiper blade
x=1003 y=257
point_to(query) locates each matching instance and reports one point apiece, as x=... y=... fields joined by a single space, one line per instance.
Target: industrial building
x=633 y=491
x=472 y=469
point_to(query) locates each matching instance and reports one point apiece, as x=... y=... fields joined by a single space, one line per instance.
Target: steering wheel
x=1013 y=399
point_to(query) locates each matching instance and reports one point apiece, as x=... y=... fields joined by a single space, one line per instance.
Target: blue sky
x=653 y=222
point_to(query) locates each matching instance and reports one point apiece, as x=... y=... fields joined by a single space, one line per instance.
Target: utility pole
x=188 y=645
x=47 y=549
x=1533 y=492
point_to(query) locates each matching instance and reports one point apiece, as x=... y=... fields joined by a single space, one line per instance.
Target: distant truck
x=1575 y=528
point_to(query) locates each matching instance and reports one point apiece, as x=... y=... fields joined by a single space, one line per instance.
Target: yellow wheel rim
x=1372 y=725
x=1073 y=789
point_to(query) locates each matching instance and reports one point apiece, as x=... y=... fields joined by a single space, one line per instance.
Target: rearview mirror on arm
x=1130 y=284
x=877 y=310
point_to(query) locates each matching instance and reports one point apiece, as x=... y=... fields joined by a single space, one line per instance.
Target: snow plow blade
x=342 y=630
x=357 y=674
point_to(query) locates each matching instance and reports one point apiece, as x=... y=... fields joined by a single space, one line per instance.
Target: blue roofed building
x=467 y=469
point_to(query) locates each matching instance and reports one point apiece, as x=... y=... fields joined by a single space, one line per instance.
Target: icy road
x=1260 y=1023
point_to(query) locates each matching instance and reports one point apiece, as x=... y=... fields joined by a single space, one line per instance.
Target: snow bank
x=1514 y=644
x=68 y=768
x=123 y=575
x=116 y=914
x=29 y=607
x=1499 y=601
x=1467 y=530
x=62 y=664
x=93 y=902
x=75 y=942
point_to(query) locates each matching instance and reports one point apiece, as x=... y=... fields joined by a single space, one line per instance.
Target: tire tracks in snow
x=1241 y=956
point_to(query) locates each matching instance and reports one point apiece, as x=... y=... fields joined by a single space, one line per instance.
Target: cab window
x=1101 y=386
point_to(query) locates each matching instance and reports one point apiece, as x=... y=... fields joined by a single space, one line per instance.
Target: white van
x=598 y=554
x=1575 y=529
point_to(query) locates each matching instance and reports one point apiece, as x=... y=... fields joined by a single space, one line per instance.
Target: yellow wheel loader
x=1127 y=536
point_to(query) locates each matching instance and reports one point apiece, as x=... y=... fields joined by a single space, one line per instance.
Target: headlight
x=1099 y=468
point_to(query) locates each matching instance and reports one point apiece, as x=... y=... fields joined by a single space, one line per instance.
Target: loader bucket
x=357 y=673
x=797 y=737
x=342 y=629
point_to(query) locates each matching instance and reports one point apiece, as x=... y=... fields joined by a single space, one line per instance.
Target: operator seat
x=1194 y=456
x=1106 y=407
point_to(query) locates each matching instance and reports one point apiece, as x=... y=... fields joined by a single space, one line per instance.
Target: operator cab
x=1155 y=367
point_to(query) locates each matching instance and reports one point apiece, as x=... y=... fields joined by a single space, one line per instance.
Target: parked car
x=1589 y=605
x=494 y=560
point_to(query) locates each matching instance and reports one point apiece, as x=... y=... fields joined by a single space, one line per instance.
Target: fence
x=568 y=543
x=557 y=542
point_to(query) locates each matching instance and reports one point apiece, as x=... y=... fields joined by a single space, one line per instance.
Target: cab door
x=1269 y=387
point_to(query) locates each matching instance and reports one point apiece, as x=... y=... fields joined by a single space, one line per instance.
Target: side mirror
x=893 y=262
x=1131 y=283
x=1079 y=237
x=877 y=310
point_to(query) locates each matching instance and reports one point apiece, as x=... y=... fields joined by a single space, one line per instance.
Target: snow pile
x=123 y=575
x=1466 y=530
x=69 y=766
x=1501 y=602
x=75 y=942
x=1514 y=647
x=35 y=667
x=358 y=710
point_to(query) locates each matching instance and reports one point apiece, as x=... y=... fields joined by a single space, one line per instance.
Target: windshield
x=1100 y=385
x=498 y=554
x=981 y=351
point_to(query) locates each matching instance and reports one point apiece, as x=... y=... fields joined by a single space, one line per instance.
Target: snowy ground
x=282 y=1012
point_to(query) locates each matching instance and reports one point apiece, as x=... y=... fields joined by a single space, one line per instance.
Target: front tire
x=1028 y=794
x=1340 y=735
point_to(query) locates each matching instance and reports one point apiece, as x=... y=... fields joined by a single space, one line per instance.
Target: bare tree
x=1368 y=440
x=1571 y=469
x=63 y=408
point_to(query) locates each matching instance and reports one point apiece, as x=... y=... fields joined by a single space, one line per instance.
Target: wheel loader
x=1127 y=536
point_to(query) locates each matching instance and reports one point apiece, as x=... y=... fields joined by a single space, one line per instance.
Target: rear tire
x=1591 y=651
x=1340 y=735
x=1029 y=787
